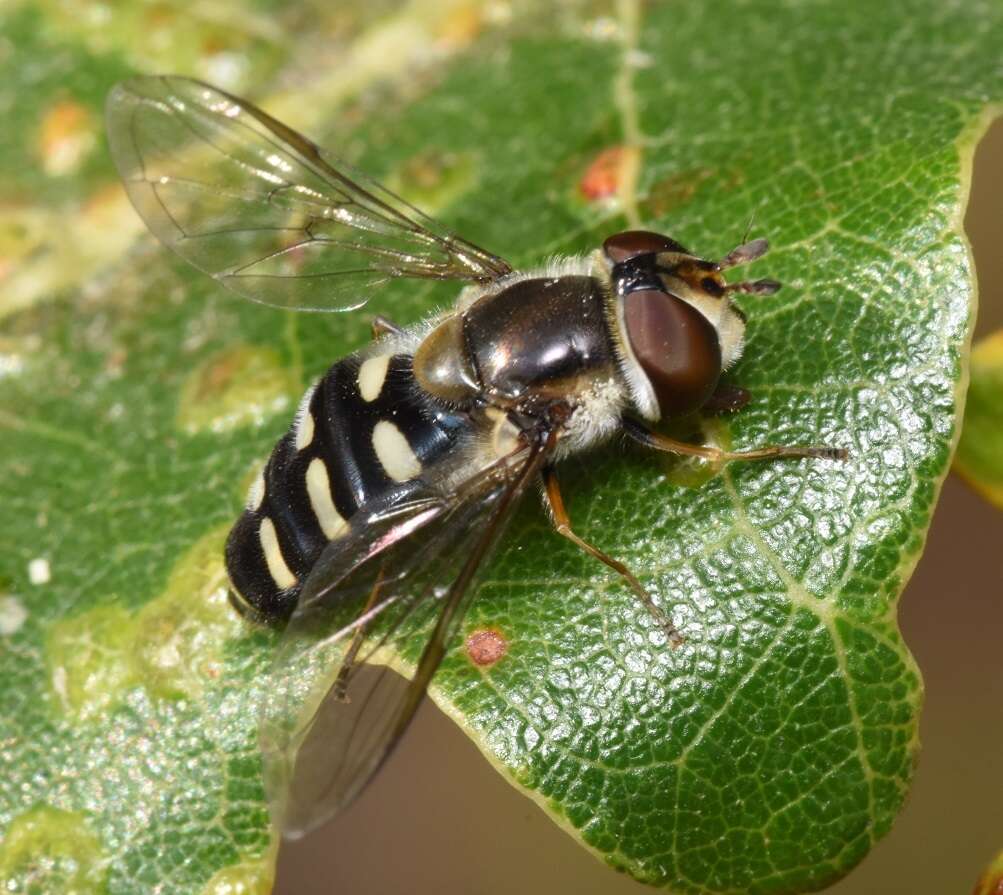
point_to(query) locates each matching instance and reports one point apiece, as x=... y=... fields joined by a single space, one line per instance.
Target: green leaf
x=979 y=459
x=775 y=747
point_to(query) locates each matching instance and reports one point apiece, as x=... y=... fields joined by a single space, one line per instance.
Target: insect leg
x=382 y=326
x=659 y=442
x=562 y=524
x=348 y=663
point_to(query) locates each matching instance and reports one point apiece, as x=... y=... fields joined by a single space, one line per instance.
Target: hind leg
x=383 y=326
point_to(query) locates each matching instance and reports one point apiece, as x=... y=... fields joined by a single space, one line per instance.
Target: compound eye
x=631 y=243
x=677 y=348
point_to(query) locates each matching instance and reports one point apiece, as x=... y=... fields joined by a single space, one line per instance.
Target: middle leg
x=562 y=524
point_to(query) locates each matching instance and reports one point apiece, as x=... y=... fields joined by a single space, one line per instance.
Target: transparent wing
x=262 y=209
x=337 y=705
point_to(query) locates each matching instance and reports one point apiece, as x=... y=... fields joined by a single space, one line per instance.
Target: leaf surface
x=775 y=747
x=979 y=459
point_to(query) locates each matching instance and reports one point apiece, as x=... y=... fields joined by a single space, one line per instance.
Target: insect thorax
x=526 y=343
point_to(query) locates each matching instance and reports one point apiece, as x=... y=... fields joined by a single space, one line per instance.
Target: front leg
x=562 y=524
x=658 y=442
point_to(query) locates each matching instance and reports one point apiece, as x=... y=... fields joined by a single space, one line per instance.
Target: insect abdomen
x=363 y=433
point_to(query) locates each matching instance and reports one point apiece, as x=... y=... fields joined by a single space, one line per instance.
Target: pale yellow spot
x=256 y=493
x=304 y=421
x=277 y=568
x=394 y=452
x=318 y=487
x=372 y=375
x=87 y=656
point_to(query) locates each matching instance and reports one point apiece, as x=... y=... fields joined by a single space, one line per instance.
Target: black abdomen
x=364 y=433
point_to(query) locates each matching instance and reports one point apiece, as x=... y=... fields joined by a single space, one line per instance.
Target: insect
x=379 y=506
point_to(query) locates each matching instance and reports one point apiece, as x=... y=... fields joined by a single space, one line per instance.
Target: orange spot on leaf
x=461 y=26
x=602 y=177
x=485 y=646
x=66 y=136
x=605 y=174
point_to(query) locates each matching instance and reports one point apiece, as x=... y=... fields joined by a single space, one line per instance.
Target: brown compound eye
x=631 y=243
x=676 y=346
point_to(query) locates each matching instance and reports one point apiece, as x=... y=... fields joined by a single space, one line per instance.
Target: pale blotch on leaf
x=67 y=136
x=180 y=634
x=239 y=386
x=12 y=615
x=44 y=250
x=694 y=472
x=173 y=646
x=461 y=25
x=603 y=29
x=49 y=850
x=87 y=657
x=250 y=877
x=108 y=225
x=12 y=360
x=23 y=230
x=433 y=179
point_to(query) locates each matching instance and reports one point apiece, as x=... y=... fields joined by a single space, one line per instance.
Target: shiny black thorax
x=538 y=337
x=521 y=346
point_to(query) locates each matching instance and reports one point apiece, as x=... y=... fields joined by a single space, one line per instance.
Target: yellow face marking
x=318 y=487
x=372 y=375
x=394 y=452
x=277 y=568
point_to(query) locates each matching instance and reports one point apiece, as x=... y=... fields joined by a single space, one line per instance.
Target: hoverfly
x=381 y=503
